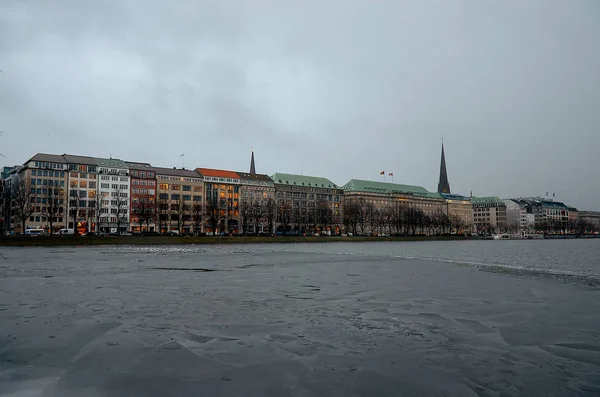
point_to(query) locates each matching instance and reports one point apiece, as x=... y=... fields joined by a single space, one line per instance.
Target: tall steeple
x=252 y=167
x=443 y=185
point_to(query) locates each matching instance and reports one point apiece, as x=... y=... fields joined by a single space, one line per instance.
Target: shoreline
x=46 y=241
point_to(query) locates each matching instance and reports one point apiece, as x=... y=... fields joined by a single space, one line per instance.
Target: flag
x=181 y=155
x=382 y=173
x=391 y=174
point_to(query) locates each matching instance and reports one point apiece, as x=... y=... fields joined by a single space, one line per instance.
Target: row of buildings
x=53 y=192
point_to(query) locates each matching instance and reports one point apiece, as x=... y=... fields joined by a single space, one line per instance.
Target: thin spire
x=252 y=166
x=443 y=185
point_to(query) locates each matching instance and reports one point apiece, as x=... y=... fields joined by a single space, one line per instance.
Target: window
x=123 y=179
x=123 y=194
x=123 y=187
x=74 y=183
x=163 y=196
x=163 y=186
x=37 y=218
x=114 y=186
x=174 y=187
x=197 y=188
x=83 y=193
x=92 y=184
x=175 y=197
x=32 y=172
x=151 y=192
x=187 y=188
x=83 y=184
x=187 y=197
x=104 y=185
x=197 y=199
x=45 y=172
x=114 y=178
x=105 y=177
x=113 y=211
x=83 y=175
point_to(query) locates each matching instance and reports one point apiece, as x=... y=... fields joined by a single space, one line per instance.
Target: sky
x=336 y=88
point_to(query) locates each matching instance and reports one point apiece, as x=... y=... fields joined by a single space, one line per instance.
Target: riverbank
x=29 y=241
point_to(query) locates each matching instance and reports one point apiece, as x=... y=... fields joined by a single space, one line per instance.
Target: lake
x=465 y=318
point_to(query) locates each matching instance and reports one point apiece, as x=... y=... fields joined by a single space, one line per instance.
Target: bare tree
x=55 y=202
x=197 y=217
x=180 y=214
x=350 y=218
x=23 y=200
x=213 y=215
x=361 y=214
x=284 y=213
x=74 y=208
x=144 y=211
x=270 y=211
x=121 y=196
x=162 y=213
x=245 y=215
x=258 y=213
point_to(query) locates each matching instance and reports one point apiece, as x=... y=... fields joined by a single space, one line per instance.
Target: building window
x=187 y=197
x=175 y=197
x=163 y=186
x=187 y=188
x=163 y=196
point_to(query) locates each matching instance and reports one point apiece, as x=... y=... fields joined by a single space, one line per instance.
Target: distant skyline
x=335 y=89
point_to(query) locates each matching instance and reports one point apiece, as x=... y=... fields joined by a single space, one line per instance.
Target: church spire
x=252 y=167
x=443 y=185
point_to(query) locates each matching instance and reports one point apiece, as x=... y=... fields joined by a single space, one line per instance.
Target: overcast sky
x=341 y=89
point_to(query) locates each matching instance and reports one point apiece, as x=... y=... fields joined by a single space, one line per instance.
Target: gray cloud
x=339 y=89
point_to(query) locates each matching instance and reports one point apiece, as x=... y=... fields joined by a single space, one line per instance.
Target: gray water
x=334 y=319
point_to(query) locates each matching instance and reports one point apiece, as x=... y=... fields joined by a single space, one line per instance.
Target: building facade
x=45 y=176
x=460 y=213
x=180 y=201
x=114 y=186
x=222 y=201
x=372 y=207
x=82 y=191
x=489 y=215
x=142 y=203
x=307 y=204
x=257 y=192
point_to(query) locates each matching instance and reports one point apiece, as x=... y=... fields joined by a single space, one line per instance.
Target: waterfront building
x=489 y=214
x=179 y=205
x=45 y=176
x=142 y=203
x=460 y=212
x=591 y=220
x=307 y=204
x=82 y=193
x=257 y=193
x=114 y=186
x=377 y=207
x=516 y=215
x=222 y=200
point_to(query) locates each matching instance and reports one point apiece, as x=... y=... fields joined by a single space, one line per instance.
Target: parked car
x=35 y=232
x=126 y=234
x=65 y=232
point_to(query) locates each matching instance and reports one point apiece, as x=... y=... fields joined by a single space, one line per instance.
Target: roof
x=452 y=196
x=137 y=166
x=255 y=177
x=359 y=185
x=487 y=200
x=117 y=163
x=303 y=180
x=183 y=173
x=218 y=173
x=48 y=158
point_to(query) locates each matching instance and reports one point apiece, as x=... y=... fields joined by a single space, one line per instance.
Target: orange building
x=222 y=195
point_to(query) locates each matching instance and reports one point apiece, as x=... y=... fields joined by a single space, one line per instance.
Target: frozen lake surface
x=473 y=318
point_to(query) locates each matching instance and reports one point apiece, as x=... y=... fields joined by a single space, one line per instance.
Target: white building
x=114 y=187
x=516 y=215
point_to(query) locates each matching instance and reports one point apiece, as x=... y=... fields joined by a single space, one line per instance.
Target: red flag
x=382 y=173
x=391 y=174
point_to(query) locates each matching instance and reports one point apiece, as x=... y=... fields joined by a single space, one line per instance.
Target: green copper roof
x=358 y=185
x=486 y=200
x=303 y=180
